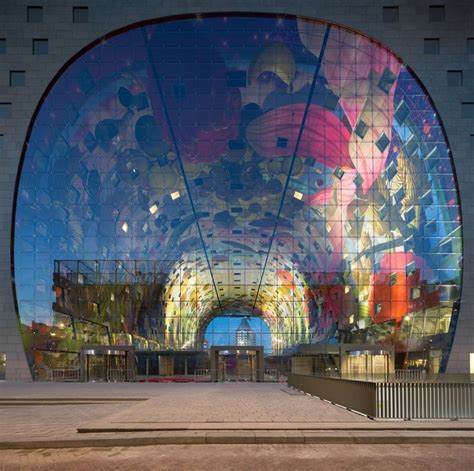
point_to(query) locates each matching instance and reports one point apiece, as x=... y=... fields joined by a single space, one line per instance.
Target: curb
x=238 y=439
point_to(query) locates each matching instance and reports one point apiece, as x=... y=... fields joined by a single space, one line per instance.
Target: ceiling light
x=175 y=195
x=298 y=195
x=125 y=227
x=153 y=209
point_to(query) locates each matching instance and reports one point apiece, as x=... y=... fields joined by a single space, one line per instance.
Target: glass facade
x=276 y=167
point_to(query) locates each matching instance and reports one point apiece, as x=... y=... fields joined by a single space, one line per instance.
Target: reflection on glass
x=280 y=168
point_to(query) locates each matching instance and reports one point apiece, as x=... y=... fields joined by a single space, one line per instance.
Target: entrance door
x=100 y=367
x=237 y=363
x=237 y=366
x=101 y=364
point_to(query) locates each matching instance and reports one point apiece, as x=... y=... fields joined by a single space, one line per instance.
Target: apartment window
x=34 y=14
x=390 y=14
x=467 y=110
x=40 y=47
x=454 y=78
x=470 y=45
x=431 y=46
x=17 y=78
x=80 y=14
x=3 y=45
x=3 y=365
x=436 y=13
x=5 y=110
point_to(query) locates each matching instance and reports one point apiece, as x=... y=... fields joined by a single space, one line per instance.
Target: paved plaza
x=44 y=415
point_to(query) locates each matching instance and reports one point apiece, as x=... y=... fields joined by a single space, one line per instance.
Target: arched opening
x=179 y=170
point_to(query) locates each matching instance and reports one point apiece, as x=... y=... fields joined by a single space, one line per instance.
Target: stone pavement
x=244 y=458
x=39 y=415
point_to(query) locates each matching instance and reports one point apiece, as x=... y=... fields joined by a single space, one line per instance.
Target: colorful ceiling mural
x=275 y=166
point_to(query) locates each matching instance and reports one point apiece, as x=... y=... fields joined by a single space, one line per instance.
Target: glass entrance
x=367 y=365
x=239 y=365
x=106 y=365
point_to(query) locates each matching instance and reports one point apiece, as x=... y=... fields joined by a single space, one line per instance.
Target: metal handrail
x=64 y=374
x=121 y=375
x=393 y=399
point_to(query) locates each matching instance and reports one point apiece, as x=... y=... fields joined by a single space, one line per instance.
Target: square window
x=431 y=45
x=338 y=173
x=361 y=129
x=415 y=293
x=399 y=194
x=40 y=47
x=236 y=144
x=5 y=110
x=34 y=14
x=282 y=142
x=470 y=45
x=410 y=214
x=80 y=14
x=382 y=142
x=454 y=78
x=410 y=269
x=179 y=90
x=387 y=80
x=391 y=171
x=402 y=112
x=467 y=110
x=17 y=78
x=331 y=101
x=436 y=13
x=392 y=279
x=3 y=45
x=358 y=180
x=383 y=211
x=390 y=14
x=236 y=78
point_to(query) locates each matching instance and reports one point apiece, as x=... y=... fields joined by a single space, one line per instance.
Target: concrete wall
x=405 y=38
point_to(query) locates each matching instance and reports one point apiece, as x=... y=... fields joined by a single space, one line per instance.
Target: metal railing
x=393 y=400
x=121 y=375
x=430 y=400
x=64 y=374
x=202 y=375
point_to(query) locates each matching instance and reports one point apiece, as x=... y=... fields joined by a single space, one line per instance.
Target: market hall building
x=177 y=178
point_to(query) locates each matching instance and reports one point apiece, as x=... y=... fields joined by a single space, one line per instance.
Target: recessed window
x=431 y=46
x=236 y=78
x=34 y=14
x=3 y=45
x=80 y=14
x=390 y=14
x=454 y=78
x=5 y=110
x=3 y=365
x=40 y=47
x=17 y=78
x=392 y=279
x=467 y=110
x=470 y=45
x=415 y=293
x=437 y=13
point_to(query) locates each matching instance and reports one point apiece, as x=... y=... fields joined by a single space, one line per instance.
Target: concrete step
x=248 y=437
